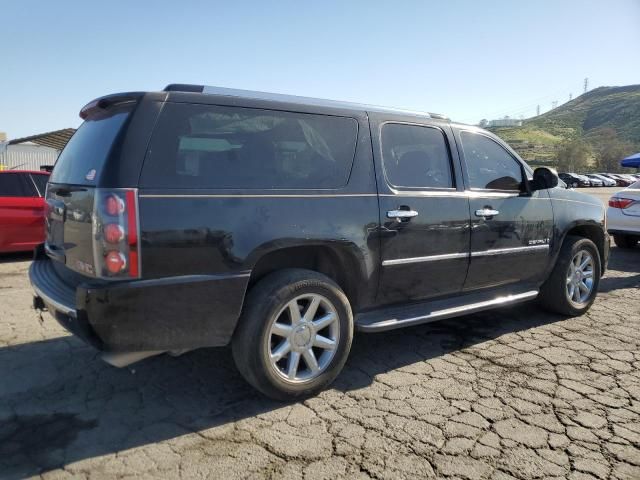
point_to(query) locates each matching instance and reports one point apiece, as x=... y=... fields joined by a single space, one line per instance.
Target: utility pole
x=586 y=84
x=570 y=96
x=554 y=104
x=538 y=111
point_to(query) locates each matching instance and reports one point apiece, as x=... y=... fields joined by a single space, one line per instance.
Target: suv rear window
x=207 y=146
x=89 y=148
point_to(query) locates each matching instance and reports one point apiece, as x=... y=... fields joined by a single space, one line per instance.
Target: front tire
x=573 y=284
x=625 y=241
x=294 y=334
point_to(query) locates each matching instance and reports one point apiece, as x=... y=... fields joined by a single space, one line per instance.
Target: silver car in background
x=623 y=216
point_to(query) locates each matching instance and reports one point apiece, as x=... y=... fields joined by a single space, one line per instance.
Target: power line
x=526 y=107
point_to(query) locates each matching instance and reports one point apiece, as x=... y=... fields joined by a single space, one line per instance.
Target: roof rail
x=280 y=97
x=439 y=116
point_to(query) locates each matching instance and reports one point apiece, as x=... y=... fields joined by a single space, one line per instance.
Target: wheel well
x=593 y=233
x=329 y=261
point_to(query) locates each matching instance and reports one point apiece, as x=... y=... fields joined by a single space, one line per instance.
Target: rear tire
x=294 y=334
x=573 y=284
x=625 y=241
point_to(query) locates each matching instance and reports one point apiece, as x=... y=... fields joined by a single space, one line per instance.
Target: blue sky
x=467 y=59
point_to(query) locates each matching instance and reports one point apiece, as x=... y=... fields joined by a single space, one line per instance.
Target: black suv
x=199 y=216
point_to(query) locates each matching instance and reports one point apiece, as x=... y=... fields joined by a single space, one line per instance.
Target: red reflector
x=115 y=262
x=114 y=205
x=132 y=229
x=113 y=233
x=617 y=202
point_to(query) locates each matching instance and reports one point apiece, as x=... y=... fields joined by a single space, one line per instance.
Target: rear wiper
x=66 y=191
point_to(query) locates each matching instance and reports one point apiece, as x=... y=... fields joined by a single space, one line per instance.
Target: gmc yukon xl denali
x=200 y=216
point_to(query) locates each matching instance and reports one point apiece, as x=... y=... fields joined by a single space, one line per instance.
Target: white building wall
x=27 y=156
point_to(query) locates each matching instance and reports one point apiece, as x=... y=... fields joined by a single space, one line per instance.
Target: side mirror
x=544 y=177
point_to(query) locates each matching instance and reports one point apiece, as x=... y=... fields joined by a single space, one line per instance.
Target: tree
x=574 y=155
x=610 y=149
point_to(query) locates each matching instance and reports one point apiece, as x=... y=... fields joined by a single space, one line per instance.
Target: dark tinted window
x=41 y=182
x=88 y=148
x=14 y=185
x=489 y=165
x=205 y=146
x=416 y=156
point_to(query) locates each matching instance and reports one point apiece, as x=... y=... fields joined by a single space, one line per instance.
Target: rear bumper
x=144 y=315
x=619 y=223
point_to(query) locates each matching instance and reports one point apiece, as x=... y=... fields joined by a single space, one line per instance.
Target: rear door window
x=416 y=156
x=207 y=146
x=83 y=157
x=15 y=185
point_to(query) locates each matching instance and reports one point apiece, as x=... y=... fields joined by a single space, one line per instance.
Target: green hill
x=617 y=108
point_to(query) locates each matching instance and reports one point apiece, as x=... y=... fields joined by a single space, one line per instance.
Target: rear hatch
x=72 y=189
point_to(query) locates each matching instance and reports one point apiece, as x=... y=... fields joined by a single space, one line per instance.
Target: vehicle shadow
x=621 y=261
x=59 y=403
x=15 y=257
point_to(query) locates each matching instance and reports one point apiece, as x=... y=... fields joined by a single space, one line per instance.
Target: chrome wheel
x=303 y=338
x=580 y=278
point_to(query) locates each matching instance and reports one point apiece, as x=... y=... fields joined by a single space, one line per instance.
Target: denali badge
x=542 y=241
x=91 y=174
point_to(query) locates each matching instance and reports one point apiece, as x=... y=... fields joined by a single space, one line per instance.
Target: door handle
x=486 y=212
x=402 y=215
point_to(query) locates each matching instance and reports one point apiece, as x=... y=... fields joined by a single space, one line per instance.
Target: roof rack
x=280 y=97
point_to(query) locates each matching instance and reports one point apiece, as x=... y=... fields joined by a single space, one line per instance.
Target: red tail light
x=115 y=262
x=116 y=249
x=617 y=202
x=113 y=233
x=113 y=205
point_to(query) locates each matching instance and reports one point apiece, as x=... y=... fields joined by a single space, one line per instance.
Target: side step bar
x=405 y=316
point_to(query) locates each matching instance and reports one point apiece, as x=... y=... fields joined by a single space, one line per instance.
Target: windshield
x=82 y=159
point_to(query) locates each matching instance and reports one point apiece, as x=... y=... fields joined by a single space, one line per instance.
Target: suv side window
x=416 y=156
x=489 y=165
x=211 y=146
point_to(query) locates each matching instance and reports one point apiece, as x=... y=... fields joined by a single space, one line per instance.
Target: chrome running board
x=405 y=316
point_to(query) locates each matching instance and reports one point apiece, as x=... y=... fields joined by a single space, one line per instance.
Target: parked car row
x=575 y=180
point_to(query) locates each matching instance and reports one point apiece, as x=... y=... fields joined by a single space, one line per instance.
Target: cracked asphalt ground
x=513 y=393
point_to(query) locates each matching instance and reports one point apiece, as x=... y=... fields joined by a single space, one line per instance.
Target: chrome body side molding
x=503 y=251
x=451 y=256
x=431 y=258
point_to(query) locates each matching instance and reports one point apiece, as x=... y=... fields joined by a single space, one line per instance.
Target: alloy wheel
x=303 y=338
x=579 y=285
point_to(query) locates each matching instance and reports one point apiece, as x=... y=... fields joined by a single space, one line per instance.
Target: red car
x=22 y=207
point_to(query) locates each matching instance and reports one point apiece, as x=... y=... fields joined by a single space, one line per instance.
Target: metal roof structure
x=56 y=139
